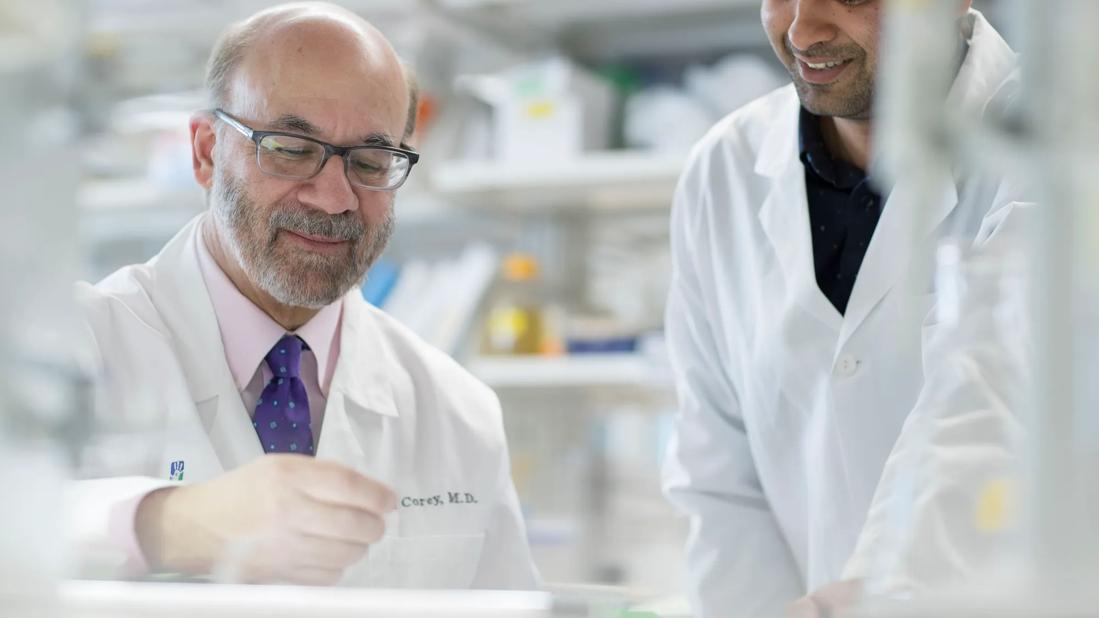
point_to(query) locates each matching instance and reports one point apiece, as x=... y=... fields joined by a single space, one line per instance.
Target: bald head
x=284 y=46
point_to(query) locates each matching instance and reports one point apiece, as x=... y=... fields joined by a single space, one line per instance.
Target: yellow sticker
x=995 y=510
x=541 y=109
x=511 y=320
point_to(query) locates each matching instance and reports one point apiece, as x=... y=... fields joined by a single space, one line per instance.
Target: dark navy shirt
x=844 y=209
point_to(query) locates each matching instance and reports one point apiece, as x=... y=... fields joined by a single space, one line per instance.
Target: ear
x=203 y=139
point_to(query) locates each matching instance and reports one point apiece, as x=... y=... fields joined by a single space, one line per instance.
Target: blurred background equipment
x=516 y=322
x=544 y=110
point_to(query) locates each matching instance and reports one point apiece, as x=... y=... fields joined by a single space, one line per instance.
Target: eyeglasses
x=285 y=155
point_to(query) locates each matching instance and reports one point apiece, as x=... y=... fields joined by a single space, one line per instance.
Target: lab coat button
x=846 y=366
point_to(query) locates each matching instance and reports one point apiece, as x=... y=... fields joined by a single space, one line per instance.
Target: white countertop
x=96 y=599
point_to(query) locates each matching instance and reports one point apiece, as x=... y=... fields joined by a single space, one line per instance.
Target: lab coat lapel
x=989 y=67
x=182 y=300
x=902 y=231
x=361 y=403
x=784 y=216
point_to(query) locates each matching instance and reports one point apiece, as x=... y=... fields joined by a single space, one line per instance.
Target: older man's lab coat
x=398 y=411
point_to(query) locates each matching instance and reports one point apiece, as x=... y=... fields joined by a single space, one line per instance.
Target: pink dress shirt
x=248 y=334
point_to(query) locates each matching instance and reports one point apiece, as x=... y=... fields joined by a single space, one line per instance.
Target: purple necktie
x=282 y=412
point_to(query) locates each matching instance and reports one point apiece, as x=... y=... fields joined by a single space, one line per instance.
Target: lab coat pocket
x=429 y=562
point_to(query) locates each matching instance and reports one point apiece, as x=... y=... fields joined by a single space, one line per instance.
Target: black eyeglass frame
x=330 y=150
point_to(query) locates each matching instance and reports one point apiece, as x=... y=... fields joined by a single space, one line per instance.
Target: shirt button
x=846 y=366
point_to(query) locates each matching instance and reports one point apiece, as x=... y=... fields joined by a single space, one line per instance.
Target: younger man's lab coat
x=946 y=513
x=787 y=409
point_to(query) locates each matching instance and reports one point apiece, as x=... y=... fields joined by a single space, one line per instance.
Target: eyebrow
x=292 y=122
x=378 y=139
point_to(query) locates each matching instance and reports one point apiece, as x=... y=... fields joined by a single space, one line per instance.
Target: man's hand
x=279 y=519
x=827 y=602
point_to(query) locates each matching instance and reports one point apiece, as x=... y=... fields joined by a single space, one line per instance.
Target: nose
x=811 y=24
x=330 y=190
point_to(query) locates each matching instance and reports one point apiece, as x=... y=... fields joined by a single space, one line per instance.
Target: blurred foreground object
x=1046 y=566
x=40 y=388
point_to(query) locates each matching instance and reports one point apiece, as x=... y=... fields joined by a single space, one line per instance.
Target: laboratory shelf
x=562 y=12
x=594 y=371
x=135 y=209
x=571 y=11
x=614 y=29
x=128 y=194
x=611 y=180
x=196 y=16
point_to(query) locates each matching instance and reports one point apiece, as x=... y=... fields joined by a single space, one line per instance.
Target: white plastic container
x=546 y=110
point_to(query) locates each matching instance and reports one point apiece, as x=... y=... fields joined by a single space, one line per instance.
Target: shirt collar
x=818 y=160
x=248 y=334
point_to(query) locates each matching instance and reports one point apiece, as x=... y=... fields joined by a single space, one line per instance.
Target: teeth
x=826 y=65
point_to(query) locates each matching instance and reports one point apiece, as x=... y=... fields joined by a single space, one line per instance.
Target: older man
x=308 y=437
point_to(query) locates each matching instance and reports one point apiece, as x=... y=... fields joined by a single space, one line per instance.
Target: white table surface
x=103 y=599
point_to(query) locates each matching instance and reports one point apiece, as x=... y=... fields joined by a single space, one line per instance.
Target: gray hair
x=233 y=45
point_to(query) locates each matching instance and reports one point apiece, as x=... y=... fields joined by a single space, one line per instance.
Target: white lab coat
x=398 y=411
x=788 y=410
x=946 y=513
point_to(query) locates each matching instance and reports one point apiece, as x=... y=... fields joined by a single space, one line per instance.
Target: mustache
x=298 y=218
x=824 y=50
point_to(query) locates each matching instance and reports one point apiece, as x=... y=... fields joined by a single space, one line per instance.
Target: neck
x=290 y=318
x=848 y=140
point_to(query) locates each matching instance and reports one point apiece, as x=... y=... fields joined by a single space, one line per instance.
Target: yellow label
x=513 y=321
x=995 y=509
x=540 y=110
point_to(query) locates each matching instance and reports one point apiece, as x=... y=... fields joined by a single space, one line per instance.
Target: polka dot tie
x=282 y=412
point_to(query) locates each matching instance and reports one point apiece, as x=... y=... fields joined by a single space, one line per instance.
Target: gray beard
x=295 y=278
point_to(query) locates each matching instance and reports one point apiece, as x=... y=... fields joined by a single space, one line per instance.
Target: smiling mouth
x=320 y=239
x=821 y=66
x=821 y=72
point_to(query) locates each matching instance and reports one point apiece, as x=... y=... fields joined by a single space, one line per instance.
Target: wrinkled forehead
x=342 y=77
